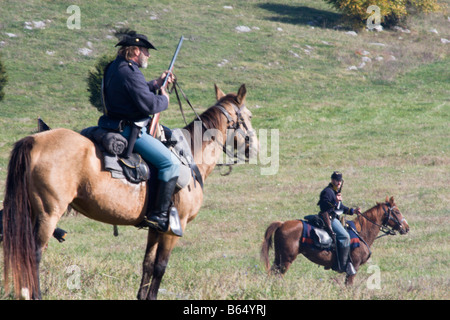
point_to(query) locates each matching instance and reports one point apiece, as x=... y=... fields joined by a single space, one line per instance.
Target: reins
x=174 y=88
x=383 y=227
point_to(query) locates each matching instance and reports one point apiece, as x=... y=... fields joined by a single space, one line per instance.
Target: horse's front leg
x=148 y=264
x=165 y=247
x=349 y=279
x=359 y=257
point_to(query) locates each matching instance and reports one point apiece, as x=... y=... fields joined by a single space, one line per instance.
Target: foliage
x=392 y=11
x=94 y=81
x=95 y=76
x=3 y=80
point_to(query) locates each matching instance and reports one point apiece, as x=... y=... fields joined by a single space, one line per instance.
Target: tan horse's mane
x=210 y=117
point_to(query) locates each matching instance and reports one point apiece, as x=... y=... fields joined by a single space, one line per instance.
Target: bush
x=392 y=12
x=94 y=81
x=3 y=80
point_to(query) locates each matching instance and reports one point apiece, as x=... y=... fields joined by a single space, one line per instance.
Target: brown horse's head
x=394 y=218
x=244 y=136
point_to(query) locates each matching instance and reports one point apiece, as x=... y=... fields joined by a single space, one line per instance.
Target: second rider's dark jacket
x=128 y=95
x=328 y=201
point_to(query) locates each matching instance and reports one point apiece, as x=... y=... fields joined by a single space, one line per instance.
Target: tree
x=391 y=12
x=95 y=76
x=3 y=79
x=94 y=81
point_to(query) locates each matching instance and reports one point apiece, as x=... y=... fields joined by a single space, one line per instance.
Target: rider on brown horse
x=330 y=203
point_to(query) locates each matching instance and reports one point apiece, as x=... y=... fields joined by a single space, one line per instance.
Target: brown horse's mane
x=369 y=211
x=364 y=224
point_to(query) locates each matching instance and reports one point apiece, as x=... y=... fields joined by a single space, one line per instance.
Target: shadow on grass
x=301 y=15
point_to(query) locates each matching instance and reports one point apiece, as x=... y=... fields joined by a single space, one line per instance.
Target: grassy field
x=385 y=125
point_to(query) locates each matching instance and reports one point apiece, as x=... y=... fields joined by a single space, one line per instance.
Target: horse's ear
x=219 y=93
x=241 y=95
x=391 y=200
x=387 y=199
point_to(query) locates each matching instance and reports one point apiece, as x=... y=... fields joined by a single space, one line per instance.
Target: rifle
x=339 y=191
x=155 y=118
x=333 y=235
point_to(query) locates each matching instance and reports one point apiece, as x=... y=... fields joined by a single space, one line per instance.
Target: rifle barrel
x=155 y=119
x=173 y=61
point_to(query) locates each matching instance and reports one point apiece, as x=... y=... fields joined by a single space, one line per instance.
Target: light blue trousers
x=154 y=152
x=342 y=235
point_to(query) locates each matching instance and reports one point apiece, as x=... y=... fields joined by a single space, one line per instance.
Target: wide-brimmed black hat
x=138 y=40
x=336 y=176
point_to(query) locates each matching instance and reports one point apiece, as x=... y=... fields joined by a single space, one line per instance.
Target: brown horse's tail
x=267 y=243
x=19 y=241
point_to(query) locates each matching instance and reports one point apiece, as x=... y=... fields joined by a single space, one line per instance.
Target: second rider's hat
x=336 y=176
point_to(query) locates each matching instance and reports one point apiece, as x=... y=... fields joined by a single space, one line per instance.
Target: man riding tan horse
x=129 y=100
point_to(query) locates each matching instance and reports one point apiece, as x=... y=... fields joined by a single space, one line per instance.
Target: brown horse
x=53 y=169
x=384 y=216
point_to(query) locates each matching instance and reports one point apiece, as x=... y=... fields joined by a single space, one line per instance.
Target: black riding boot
x=158 y=218
x=344 y=261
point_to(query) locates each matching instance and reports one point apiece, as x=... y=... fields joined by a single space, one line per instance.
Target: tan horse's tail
x=19 y=241
x=267 y=243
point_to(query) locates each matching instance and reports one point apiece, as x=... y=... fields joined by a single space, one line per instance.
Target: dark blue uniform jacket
x=328 y=201
x=128 y=95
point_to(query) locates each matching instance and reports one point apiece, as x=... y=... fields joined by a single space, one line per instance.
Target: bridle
x=238 y=126
x=235 y=125
x=389 y=215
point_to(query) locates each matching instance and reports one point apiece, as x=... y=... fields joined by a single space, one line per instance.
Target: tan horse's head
x=242 y=138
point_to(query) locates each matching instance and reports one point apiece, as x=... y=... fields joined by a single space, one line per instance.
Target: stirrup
x=146 y=223
x=174 y=222
x=350 y=270
x=173 y=228
x=155 y=226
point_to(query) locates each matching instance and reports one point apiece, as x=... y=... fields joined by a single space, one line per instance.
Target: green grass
x=385 y=126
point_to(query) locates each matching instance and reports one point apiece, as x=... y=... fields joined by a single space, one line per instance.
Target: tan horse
x=53 y=169
x=287 y=239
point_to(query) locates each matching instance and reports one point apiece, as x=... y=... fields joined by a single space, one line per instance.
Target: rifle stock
x=153 y=124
